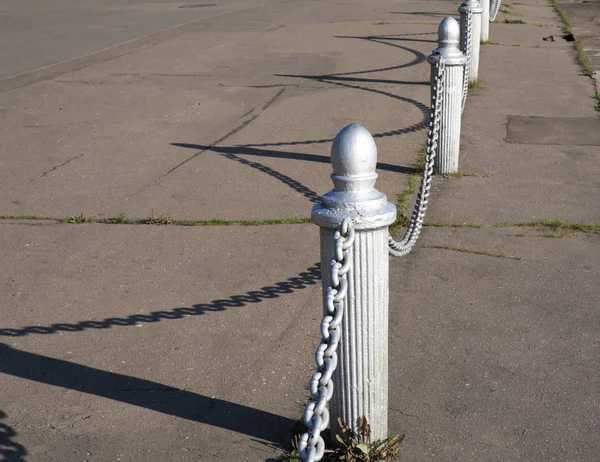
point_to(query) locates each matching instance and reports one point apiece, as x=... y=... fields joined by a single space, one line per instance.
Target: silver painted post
x=485 y=20
x=361 y=378
x=475 y=7
x=450 y=120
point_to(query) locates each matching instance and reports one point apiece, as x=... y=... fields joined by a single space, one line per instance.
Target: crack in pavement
x=57 y=167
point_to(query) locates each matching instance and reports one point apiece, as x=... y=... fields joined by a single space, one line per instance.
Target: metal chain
x=494 y=8
x=399 y=249
x=316 y=416
x=468 y=46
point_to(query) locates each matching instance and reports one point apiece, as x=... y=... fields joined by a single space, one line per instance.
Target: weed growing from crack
x=583 y=59
x=79 y=219
x=405 y=195
x=354 y=447
x=476 y=84
x=514 y=21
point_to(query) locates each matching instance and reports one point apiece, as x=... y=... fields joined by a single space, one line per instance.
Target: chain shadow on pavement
x=10 y=450
x=143 y=393
x=348 y=80
x=310 y=277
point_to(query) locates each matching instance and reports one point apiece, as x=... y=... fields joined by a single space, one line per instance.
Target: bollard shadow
x=143 y=393
x=310 y=277
x=10 y=450
x=421 y=13
x=393 y=37
x=250 y=151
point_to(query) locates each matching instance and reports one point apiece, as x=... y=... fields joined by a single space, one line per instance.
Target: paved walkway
x=137 y=342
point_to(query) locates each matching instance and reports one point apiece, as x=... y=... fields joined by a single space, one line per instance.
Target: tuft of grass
x=514 y=21
x=405 y=195
x=563 y=16
x=353 y=447
x=516 y=45
x=597 y=106
x=583 y=59
x=442 y=224
x=79 y=219
x=158 y=220
x=489 y=42
x=476 y=84
x=520 y=235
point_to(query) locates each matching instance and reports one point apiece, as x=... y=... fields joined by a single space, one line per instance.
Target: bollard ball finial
x=354 y=159
x=448 y=33
x=448 y=44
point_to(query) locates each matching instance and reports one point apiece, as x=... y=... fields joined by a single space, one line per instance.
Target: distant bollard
x=470 y=35
x=361 y=378
x=485 y=20
x=450 y=120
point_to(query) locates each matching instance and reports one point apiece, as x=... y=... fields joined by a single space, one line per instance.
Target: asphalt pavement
x=141 y=342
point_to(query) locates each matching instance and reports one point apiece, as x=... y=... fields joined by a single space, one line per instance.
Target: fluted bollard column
x=485 y=20
x=450 y=119
x=361 y=378
x=470 y=37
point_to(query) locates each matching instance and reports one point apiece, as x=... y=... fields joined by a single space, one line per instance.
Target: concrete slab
x=138 y=341
x=165 y=132
x=494 y=358
x=74 y=32
x=510 y=182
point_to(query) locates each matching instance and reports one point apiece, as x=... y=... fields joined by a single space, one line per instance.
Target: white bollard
x=485 y=20
x=361 y=378
x=452 y=96
x=470 y=48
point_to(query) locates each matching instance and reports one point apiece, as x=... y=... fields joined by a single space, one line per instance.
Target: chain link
x=316 y=415
x=399 y=249
x=494 y=8
x=468 y=46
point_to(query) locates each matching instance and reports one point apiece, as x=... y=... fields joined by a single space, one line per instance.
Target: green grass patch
x=77 y=219
x=443 y=224
x=583 y=59
x=354 y=447
x=476 y=84
x=563 y=16
x=597 y=106
x=404 y=196
x=489 y=42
